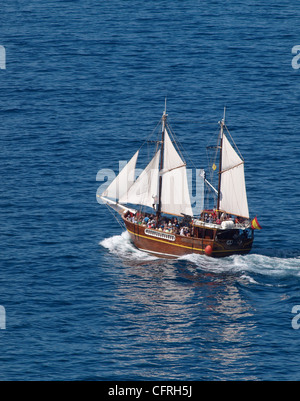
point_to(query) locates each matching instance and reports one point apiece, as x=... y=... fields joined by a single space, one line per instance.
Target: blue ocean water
x=85 y=82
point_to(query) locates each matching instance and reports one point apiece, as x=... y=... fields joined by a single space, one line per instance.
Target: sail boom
x=211 y=186
x=227 y=169
x=176 y=214
x=171 y=169
x=235 y=214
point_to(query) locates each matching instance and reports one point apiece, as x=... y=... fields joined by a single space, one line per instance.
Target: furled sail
x=144 y=190
x=175 y=197
x=233 y=197
x=123 y=181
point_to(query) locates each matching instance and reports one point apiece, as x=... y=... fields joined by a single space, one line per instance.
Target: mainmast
x=161 y=163
x=222 y=123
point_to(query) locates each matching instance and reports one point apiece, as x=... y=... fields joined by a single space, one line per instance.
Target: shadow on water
x=185 y=311
x=267 y=262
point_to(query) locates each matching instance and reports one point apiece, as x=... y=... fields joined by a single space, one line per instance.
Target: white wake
x=121 y=246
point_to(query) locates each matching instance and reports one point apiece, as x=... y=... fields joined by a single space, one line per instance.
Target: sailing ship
x=156 y=209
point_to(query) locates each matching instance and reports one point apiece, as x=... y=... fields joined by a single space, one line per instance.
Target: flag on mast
x=255 y=224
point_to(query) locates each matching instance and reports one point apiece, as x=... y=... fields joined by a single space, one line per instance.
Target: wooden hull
x=173 y=246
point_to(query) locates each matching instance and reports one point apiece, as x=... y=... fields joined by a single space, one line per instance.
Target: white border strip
x=158 y=234
x=159 y=253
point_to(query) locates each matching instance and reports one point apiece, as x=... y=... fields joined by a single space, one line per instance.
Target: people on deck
x=171 y=225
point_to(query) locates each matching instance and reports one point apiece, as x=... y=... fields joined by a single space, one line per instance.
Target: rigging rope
x=234 y=142
x=121 y=224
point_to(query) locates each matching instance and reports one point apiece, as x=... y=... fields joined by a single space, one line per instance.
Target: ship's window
x=209 y=234
x=200 y=232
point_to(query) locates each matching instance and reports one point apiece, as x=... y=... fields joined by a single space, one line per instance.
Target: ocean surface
x=85 y=83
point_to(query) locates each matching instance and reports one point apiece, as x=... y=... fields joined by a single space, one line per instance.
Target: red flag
x=255 y=224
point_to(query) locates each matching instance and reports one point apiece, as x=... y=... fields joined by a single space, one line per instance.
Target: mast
x=161 y=163
x=222 y=123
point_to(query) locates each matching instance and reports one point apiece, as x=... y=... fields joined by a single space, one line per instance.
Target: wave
x=251 y=263
x=121 y=246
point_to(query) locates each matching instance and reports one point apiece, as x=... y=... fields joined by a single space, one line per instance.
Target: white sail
x=123 y=181
x=172 y=159
x=233 y=197
x=175 y=197
x=116 y=206
x=145 y=188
